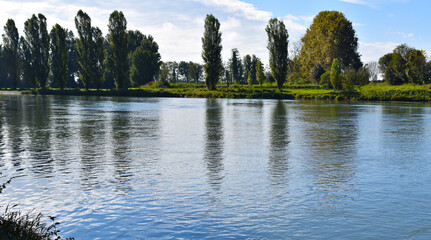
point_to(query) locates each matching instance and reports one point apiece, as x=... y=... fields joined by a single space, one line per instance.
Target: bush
x=325 y=80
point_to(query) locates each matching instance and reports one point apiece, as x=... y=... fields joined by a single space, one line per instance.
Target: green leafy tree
x=330 y=36
x=325 y=80
x=195 y=71
x=36 y=49
x=235 y=66
x=72 y=65
x=11 y=50
x=211 y=54
x=227 y=75
x=183 y=69
x=145 y=62
x=277 y=46
x=318 y=70
x=99 y=58
x=135 y=40
x=118 y=60
x=84 y=45
x=416 y=67
x=250 y=80
x=260 y=75
x=90 y=51
x=247 y=65
x=163 y=76
x=59 y=52
x=336 y=77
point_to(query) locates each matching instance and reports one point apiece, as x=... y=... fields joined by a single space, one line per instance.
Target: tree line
x=121 y=59
x=326 y=55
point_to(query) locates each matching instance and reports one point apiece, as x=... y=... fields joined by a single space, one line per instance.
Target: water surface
x=142 y=168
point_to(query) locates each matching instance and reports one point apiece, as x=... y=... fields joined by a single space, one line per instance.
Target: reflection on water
x=127 y=168
x=279 y=139
x=214 y=143
x=332 y=136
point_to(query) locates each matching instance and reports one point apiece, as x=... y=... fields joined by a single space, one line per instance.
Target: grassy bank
x=416 y=93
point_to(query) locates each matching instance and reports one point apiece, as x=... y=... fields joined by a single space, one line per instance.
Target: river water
x=142 y=168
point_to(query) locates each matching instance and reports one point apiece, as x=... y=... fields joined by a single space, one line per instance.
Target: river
x=171 y=168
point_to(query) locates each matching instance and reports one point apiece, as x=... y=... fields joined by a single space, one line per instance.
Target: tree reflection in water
x=279 y=141
x=214 y=143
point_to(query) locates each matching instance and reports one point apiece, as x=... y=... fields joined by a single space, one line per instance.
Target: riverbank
x=413 y=93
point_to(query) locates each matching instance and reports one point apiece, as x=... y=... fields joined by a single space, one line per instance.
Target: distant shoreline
x=406 y=93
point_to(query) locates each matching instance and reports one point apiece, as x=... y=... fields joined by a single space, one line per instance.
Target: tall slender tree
x=84 y=43
x=277 y=46
x=99 y=58
x=118 y=60
x=211 y=54
x=145 y=62
x=59 y=60
x=37 y=46
x=72 y=65
x=11 y=52
x=235 y=66
x=260 y=75
x=90 y=51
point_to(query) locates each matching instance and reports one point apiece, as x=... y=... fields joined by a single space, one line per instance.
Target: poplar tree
x=277 y=46
x=59 y=58
x=84 y=43
x=11 y=52
x=118 y=60
x=90 y=51
x=36 y=49
x=235 y=66
x=211 y=54
x=259 y=73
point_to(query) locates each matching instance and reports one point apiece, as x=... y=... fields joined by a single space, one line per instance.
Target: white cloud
x=244 y=9
x=360 y=2
x=373 y=51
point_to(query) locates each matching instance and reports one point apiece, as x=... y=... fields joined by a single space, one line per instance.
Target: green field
x=379 y=92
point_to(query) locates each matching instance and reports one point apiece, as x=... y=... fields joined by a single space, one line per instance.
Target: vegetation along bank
x=324 y=64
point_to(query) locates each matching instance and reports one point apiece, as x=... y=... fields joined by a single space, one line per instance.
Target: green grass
x=375 y=92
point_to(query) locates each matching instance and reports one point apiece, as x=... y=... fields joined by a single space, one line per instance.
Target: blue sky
x=178 y=25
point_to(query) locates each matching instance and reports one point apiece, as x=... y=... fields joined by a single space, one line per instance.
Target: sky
x=177 y=25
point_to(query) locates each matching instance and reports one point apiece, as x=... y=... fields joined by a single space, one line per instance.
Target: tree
x=318 y=70
x=72 y=65
x=235 y=66
x=373 y=70
x=395 y=73
x=163 y=76
x=183 y=69
x=259 y=73
x=90 y=51
x=145 y=62
x=211 y=54
x=59 y=51
x=250 y=79
x=84 y=43
x=99 y=58
x=416 y=67
x=36 y=49
x=195 y=71
x=336 y=74
x=247 y=65
x=330 y=36
x=277 y=46
x=118 y=40
x=11 y=52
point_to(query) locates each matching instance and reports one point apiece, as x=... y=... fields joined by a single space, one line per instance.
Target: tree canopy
x=330 y=36
x=211 y=53
x=277 y=46
x=118 y=42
